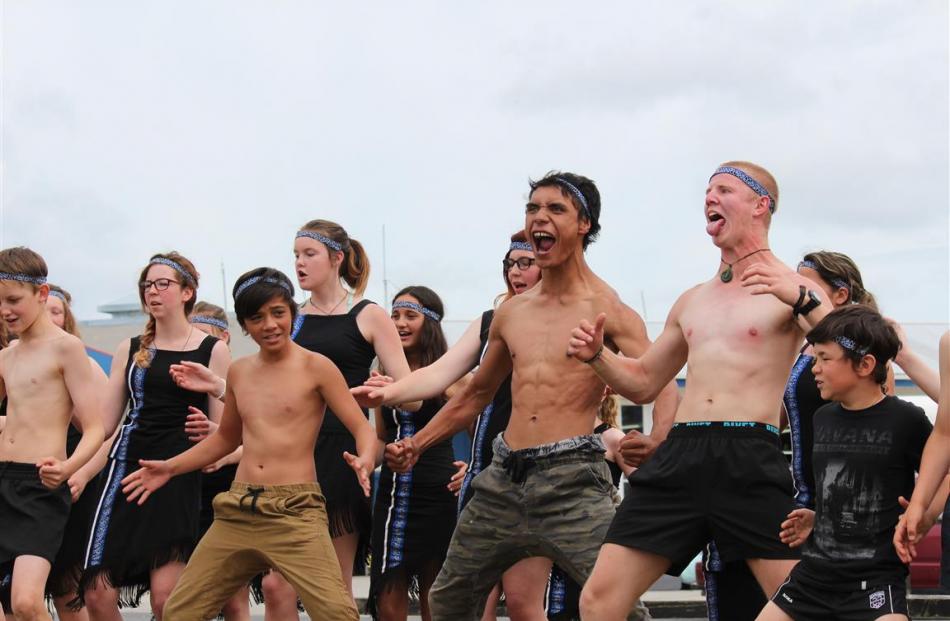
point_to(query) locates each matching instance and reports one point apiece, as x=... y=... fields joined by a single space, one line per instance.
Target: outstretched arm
x=382 y=333
x=462 y=407
x=916 y=367
x=338 y=398
x=935 y=461
x=639 y=379
x=427 y=382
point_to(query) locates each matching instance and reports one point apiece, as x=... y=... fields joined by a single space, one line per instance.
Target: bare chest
x=28 y=373
x=729 y=314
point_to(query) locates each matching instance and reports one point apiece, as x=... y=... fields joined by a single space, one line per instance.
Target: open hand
x=587 y=339
x=762 y=279
x=147 y=479
x=198 y=426
x=367 y=396
x=636 y=448
x=52 y=472
x=455 y=483
x=195 y=377
x=797 y=528
x=401 y=456
x=362 y=467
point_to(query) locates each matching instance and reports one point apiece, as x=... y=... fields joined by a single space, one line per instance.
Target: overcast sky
x=218 y=128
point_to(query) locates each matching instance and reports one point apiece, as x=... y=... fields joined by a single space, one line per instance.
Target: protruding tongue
x=715 y=226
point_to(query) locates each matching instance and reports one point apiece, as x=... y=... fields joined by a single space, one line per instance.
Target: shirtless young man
x=274 y=515
x=548 y=490
x=720 y=474
x=48 y=381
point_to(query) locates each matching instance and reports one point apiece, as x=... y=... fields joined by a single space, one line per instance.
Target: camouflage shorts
x=554 y=500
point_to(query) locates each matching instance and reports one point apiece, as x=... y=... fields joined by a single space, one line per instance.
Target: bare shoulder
x=69 y=345
x=512 y=307
x=314 y=362
x=686 y=298
x=372 y=315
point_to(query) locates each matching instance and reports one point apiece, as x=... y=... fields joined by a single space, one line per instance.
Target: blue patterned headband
x=576 y=192
x=177 y=267
x=837 y=282
x=33 y=280
x=210 y=321
x=323 y=239
x=520 y=245
x=849 y=344
x=419 y=308
x=747 y=179
x=256 y=279
x=57 y=294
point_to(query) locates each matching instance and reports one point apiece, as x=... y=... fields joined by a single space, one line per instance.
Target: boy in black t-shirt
x=867 y=447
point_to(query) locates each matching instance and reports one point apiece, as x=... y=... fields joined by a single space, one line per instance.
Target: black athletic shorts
x=33 y=516
x=806 y=603
x=721 y=481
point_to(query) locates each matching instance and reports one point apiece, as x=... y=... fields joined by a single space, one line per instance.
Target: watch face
x=813 y=296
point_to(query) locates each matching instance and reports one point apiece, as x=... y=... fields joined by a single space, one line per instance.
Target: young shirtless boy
x=867 y=447
x=547 y=491
x=274 y=515
x=47 y=381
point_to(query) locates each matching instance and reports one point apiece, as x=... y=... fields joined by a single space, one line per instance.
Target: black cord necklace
x=726 y=275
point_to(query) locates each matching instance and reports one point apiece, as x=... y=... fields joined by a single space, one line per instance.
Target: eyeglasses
x=161 y=284
x=523 y=263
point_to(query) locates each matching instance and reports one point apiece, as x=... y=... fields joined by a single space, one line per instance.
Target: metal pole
x=224 y=287
x=385 y=279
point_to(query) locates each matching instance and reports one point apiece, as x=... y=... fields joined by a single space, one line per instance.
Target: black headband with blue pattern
x=419 y=308
x=747 y=179
x=57 y=294
x=577 y=193
x=837 y=282
x=256 y=279
x=210 y=321
x=851 y=345
x=177 y=267
x=33 y=280
x=323 y=239
x=520 y=245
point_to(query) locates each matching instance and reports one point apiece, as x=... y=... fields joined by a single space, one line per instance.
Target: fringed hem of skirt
x=132 y=580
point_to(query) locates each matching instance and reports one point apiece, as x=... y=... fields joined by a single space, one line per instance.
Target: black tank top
x=338 y=338
x=435 y=464
x=802 y=399
x=158 y=407
x=615 y=472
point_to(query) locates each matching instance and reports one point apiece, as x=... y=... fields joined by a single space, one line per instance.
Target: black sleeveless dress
x=126 y=540
x=492 y=421
x=338 y=338
x=414 y=513
x=66 y=571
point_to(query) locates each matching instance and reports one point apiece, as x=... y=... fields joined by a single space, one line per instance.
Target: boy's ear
x=43 y=290
x=866 y=365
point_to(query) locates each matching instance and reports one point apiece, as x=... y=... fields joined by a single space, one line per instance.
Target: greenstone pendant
x=726 y=276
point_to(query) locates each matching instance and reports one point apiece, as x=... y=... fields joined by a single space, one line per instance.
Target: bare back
x=553 y=396
x=741 y=350
x=39 y=407
x=281 y=411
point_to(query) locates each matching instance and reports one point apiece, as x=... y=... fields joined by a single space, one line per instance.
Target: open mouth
x=404 y=334
x=543 y=241
x=518 y=286
x=714 y=223
x=301 y=274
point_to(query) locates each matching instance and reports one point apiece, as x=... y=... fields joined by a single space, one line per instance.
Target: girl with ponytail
x=135 y=549
x=337 y=322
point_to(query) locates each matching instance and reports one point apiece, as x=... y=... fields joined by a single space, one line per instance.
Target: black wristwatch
x=803 y=308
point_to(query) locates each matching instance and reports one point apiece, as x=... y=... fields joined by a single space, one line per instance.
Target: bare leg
x=27 y=591
x=280 y=600
x=102 y=602
x=63 y=612
x=524 y=585
x=426 y=580
x=392 y=602
x=604 y=598
x=162 y=582
x=771 y=573
x=771 y=612
x=238 y=607
x=345 y=548
x=491 y=604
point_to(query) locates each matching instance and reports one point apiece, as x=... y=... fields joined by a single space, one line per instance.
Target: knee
x=27 y=606
x=160 y=598
x=100 y=601
x=524 y=604
x=592 y=605
x=278 y=593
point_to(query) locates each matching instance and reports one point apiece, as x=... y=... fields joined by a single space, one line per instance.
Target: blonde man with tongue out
x=547 y=491
x=721 y=474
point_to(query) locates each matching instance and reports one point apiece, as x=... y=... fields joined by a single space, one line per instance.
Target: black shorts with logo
x=724 y=481
x=804 y=602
